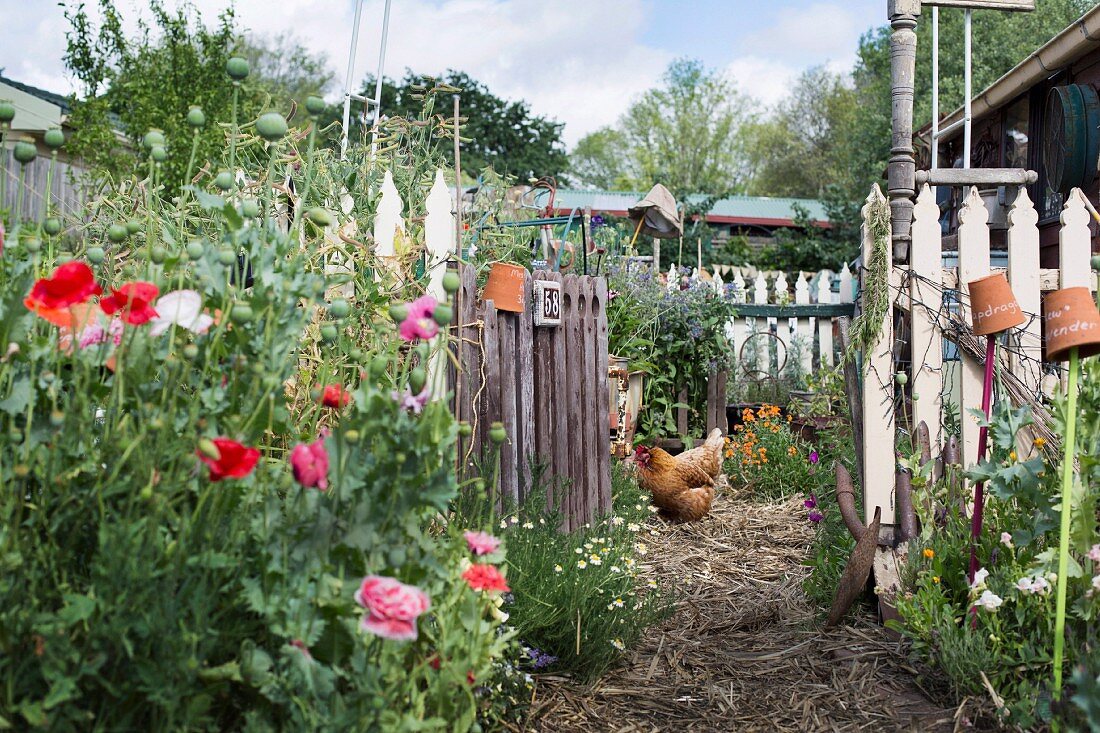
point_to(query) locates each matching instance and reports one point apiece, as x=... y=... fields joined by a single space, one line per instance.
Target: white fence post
x=759 y=324
x=439 y=246
x=926 y=304
x=825 y=325
x=387 y=221
x=878 y=397
x=973 y=264
x=1026 y=347
x=803 y=326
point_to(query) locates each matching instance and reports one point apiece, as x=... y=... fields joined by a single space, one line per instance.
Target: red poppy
x=70 y=284
x=134 y=302
x=334 y=395
x=485 y=577
x=233 y=461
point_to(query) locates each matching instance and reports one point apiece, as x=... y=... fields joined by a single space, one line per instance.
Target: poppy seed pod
x=196 y=117
x=237 y=68
x=315 y=105
x=497 y=433
x=271 y=126
x=153 y=138
x=7 y=112
x=24 y=151
x=417 y=379
x=451 y=282
x=224 y=180
x=54 y=138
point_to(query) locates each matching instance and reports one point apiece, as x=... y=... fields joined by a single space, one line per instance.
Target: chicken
x=683 y=485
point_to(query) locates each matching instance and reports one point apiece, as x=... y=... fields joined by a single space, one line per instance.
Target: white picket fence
x=937 y=301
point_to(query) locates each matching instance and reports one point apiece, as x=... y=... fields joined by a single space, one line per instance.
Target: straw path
x=743 y=651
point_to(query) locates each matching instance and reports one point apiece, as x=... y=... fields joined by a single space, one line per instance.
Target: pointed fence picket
x=935 y=301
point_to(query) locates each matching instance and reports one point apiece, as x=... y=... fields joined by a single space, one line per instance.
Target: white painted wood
x=760 y=289
x=926 y=263
x=1049 y=279
x=1025 y=344
x=847 y=291
x=439 y=247
x=973 y=238
x=738 y=287
x=673 y=279
x=763 y=344
x=719 y=285
x=878 y=402
x=803 y=327
x=388 y=218
x=825 y=325
x=1074 y=243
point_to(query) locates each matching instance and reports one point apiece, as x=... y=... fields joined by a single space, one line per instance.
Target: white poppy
x=180 y=308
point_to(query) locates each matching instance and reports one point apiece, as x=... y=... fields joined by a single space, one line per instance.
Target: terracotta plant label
x=993 y=306
x=1071 y=320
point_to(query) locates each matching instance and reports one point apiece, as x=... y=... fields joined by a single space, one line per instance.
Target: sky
x=580 y=62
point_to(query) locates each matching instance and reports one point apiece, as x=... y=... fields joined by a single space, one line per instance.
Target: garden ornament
x=993 y=309
x=1072 y=331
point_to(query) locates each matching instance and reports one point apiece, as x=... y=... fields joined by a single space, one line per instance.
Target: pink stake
x=983 y=444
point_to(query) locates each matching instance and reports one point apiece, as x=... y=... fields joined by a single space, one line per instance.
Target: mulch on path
x=744 y=651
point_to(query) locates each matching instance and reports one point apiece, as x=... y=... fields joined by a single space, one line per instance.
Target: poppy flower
x=133 y=302
x=392 y=607
x=233 y=461
x=70 y=284
x=420 y=323
x=335 y=396
x=309 y=462
x=180 y=308
x=485 y=577
x=481 y=543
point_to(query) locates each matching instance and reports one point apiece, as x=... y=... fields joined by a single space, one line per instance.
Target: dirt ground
x=743 y=651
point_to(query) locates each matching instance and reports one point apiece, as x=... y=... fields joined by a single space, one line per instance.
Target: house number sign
x=547 y=302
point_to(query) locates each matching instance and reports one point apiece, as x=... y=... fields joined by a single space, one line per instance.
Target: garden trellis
x=936 y=306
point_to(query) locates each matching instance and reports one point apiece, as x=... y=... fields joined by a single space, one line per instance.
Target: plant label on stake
x=1073 y=331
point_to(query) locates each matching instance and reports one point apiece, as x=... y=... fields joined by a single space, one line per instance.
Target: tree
x=687 y=133
x=149 y=81
x=496 y=132
x=286 y=70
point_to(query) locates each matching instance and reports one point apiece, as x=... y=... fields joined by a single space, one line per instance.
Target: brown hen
x=683 y=485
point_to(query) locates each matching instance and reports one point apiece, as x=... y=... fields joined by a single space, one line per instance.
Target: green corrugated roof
x=737 y=207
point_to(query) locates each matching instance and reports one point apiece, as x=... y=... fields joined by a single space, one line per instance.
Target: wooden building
x=1043 y=115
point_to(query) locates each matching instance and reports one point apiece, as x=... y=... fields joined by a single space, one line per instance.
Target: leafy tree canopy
x=688 y=133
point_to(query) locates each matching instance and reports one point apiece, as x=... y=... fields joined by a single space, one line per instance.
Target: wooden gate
x=548 y=385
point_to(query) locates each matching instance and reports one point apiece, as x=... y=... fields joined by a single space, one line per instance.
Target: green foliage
x=676 y=336
x=286 y=70
x=766 y=457
x=138 y=594
x=497 y=133
x=577 y=596
x=687 y=134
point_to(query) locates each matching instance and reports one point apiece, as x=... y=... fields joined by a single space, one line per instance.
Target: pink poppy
x=419 y=323
x=309 y=462
x=481 y=543
x=412 y=403
x=392 y=607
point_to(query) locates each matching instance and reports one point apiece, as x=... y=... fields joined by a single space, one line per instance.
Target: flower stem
x=1067 y=509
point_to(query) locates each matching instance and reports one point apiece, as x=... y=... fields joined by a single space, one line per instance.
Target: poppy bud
x=133 y=226
x=158 y=154
x=357 y=354
x=227 y=256
x=250 y=208
x=241 y=313
x=208 y=449
x=195 y=249
x=497 y=433
x=315 y=105
x=158 y=254
x=34 y=244
x=417 y=379
x=378 y=366
x=52 y=226
x=901 y=378
x=95 y=255
x=328 y=333
x=465 y=429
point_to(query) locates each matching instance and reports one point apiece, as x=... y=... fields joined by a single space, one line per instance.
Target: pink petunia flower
x=392 y=607
x=419 y=323
x=481 y=543
x=309 y=462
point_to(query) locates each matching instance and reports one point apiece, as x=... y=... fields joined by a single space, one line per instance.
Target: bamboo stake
x=1067 y=509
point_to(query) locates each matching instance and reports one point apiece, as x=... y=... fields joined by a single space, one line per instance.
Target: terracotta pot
x=505 y=287
x=993 y=306
x=1071 y=320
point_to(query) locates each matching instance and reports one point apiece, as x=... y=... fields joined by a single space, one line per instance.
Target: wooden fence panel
x=603 y=385
x=973 y=264
x=525 y=379
x=506 y=361
x=926 y=261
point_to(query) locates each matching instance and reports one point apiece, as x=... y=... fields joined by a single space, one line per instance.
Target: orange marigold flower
x=929 y=553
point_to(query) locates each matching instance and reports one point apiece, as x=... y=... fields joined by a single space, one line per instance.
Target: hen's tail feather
x=690 y=505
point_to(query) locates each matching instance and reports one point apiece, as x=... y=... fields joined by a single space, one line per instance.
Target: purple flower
x=596 y=221
x=411 y=402
x=814 y=458
x=816 y=516
x=540 y=659
x=810 y=503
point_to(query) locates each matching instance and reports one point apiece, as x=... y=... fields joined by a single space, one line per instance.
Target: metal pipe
x=967 y=117
x=347 y=78
x=935 y=86
x=846 y=500
x=378 y=78
x=903 y=496
x=951 y=128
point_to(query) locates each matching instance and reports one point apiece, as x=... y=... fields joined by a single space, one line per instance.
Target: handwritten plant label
x=995 y=312
x=1062 y=323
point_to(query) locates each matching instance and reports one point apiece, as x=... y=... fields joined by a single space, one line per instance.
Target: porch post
x=903 y=57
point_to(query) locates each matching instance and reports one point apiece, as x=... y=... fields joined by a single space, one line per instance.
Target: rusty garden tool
x=856 y=572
